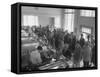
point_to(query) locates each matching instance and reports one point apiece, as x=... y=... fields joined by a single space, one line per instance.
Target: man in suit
x=82 y=41
x=86 y=55
x=35 y=56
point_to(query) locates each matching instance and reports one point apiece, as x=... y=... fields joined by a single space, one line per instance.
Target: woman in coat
x=77 y=57
x=86 y=54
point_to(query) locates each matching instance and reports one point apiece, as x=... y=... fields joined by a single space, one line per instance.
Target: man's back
x=82 y=41
x=35 y=57
x=87 y=53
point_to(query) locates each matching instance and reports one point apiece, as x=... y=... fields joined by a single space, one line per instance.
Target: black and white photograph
x=57 y=38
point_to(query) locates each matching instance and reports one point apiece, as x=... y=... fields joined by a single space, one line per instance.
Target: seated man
x=46 y=55
x=35 y=57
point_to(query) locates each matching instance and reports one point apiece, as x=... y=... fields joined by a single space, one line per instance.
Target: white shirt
x=35 y=57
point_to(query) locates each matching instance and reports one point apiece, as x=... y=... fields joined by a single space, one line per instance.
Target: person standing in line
x=82 y=41
x=77 y=57
x=59 y=43
x=86 y=55
x=66 y=38
x=93 y=53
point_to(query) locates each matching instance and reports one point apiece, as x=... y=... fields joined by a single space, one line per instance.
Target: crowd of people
x=56 y=44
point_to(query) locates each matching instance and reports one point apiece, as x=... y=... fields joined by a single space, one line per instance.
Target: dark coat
x=82 y=42
x=77 y=54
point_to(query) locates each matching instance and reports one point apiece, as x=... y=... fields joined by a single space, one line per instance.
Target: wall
x=85 y=21
x=44 y=13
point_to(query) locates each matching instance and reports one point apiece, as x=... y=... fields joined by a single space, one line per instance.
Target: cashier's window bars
x=85 y=32
x=69 y=20
x=30 y=20
x=87 y=13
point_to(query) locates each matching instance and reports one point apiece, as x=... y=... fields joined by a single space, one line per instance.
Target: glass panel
x=69 y=10
x=86 y=30
x=57 y=22
x=69 y=22
x=30 y=20
x=87 y=13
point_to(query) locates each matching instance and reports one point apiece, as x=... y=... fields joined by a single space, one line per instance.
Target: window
x=57 y=22
x=69 y=10
x=86 y=30
x=69 y=20
x=87 y=13
x=30 y=20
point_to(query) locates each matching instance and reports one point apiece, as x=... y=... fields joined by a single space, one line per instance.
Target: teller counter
x=54 y=65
